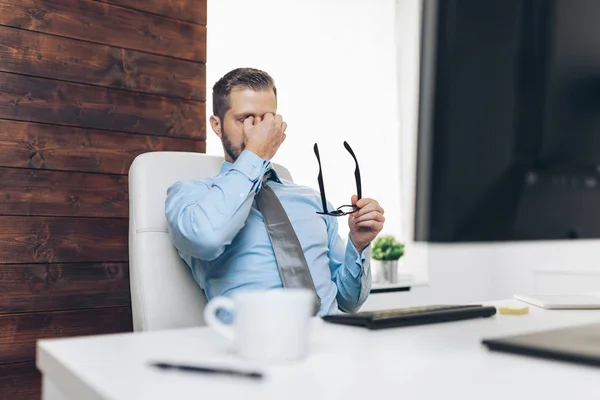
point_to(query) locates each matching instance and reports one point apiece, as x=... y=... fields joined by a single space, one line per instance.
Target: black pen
x=208 y=370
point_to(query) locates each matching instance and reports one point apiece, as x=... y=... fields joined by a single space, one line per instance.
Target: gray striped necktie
x=293 y=268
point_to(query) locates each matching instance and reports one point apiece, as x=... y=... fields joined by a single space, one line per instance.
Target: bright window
x=335 y=66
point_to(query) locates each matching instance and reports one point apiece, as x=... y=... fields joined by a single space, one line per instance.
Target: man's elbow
x=201 y=244
x=352 y=295
x=348 y=305
x=344 y=308
x=209 y=247
x=192 y=233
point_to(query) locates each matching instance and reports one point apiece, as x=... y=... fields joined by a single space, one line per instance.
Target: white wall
x=334 y=64
x=408 y=41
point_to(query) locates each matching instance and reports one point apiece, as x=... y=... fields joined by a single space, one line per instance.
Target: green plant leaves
x=387 y=248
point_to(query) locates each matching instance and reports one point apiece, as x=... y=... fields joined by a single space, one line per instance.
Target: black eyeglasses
x=345 y=209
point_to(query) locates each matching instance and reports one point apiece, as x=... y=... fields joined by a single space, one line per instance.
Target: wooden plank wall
x=85 y=86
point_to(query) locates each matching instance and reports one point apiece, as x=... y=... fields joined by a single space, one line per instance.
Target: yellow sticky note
x=513 y=310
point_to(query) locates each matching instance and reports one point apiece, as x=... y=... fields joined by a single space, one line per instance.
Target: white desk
x=442 y=361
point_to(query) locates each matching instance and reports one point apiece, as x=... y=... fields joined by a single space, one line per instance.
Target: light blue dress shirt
x=221 y=235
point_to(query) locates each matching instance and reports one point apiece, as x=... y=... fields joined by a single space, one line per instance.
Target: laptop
x=579 y=344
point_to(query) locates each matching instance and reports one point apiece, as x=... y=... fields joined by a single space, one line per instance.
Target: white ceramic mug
x=268 y=326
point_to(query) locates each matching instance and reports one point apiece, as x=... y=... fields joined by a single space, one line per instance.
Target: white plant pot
x=384 y=271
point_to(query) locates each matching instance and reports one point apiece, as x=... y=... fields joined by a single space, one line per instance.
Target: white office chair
x=164 y=294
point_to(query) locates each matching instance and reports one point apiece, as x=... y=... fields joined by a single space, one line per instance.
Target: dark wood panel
x=186 y=10
x=57 y=240
x=20 y=381
x=29 y=145
x=31 y=99
x=38 y=54
x=48 y=287
x=107 y=24
x=19 y=332
x=58 y=193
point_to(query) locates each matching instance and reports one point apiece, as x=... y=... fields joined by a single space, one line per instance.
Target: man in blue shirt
x=219 y=231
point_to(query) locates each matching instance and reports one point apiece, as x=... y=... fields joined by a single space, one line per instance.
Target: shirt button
x=242 y=195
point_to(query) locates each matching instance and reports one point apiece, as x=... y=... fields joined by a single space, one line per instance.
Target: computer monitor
x=509 y=121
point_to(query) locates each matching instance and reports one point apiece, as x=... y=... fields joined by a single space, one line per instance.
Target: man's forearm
x=353 y=278
x=359 y=246
x=204 y=219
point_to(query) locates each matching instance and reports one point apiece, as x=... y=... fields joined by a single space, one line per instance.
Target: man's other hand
x=366 y=223
x=263 y=136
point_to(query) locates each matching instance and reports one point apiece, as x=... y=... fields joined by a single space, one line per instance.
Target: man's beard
x=232 y=151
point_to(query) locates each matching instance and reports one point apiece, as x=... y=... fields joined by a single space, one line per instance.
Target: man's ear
x=215 y=124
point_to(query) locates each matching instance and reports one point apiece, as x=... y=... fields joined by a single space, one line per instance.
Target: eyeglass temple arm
x=356 y=171
x=320 y=179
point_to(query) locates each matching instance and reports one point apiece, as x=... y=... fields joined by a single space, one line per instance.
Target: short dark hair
x=248 y=78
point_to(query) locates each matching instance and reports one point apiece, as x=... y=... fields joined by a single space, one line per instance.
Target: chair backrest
x=164 y=294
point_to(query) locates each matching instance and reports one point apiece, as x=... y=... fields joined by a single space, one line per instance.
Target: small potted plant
x=385 y=253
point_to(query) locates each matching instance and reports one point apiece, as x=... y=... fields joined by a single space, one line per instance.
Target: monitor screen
x=509 y=121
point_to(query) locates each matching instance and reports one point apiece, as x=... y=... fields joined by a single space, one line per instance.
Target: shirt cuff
x=355 y=263
x=252 y=167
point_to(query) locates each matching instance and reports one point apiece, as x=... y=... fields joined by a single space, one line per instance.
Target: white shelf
x=404 y=281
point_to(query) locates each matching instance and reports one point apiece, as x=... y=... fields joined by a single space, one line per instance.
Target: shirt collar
x=226 y=166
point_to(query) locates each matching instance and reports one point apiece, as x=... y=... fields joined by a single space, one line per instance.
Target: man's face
x=244 y=103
